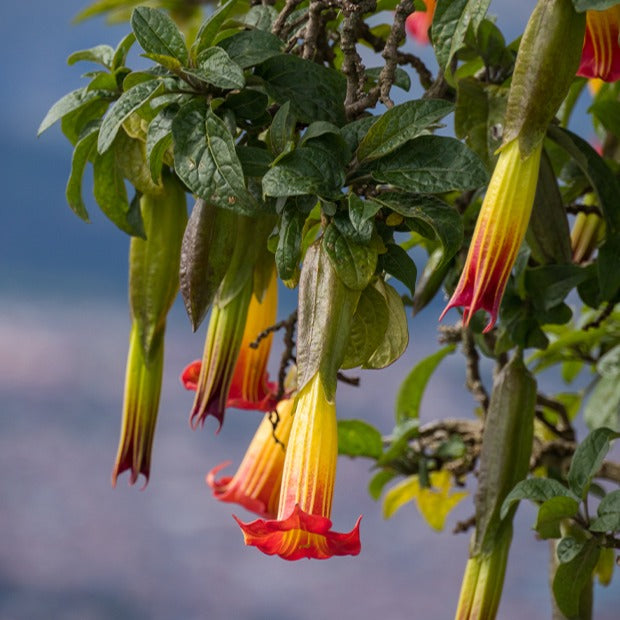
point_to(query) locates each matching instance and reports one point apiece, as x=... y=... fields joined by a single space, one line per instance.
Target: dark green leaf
x=412 y=388
x=206 y=161
x=572 y=577
x=281 y=130
x=75 y=123
x=158 y=34
x=568 y=548
x=305 y=171
x=399 y=264
x=354 y=263
x=355 y=131
x=594 y=167
x=370 y=323
x=401 y=77
x=430 y=165
x=130 y=101
x=434 y=214
x=361 y=214
x=255 y=161
x=288 y=251
x=208 y=245
x=214 y=66
x=81 y=155
x=316 y=93
x=396 y=336
x=451 y=21
x=159 y=140
x=101 y=54
x=552 y=512
x=248 y=104
x=71 y=102
x=537 y=490
x=111 y=195
x=588 y=459
x=608 y=113
x=212 y=26
x=608 y=268
x=358 y=438
x=550 y=284
x=608 y=514
x=251 y=47
x=399 y=125
x=261 y=17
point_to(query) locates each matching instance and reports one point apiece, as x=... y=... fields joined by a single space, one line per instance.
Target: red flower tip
x=300 y=535
x=190 y=374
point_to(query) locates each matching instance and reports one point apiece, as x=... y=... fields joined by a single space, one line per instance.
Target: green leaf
x=206 y=161
x=430 y=165
x=361 y=214
x=595 y=5
x=572 y=577
x=480 y=110
x=608 y=269
x=111 y=195
x=306 y=170
x=434 y=214
x=158 y=34
x=315 y=93
x=159 y=140
x=207 y=247
x=354 y=263
x=602 y=406
x=251 y=47
x=212 y=26
x=552 y=512
x=75 y=123
x=412 y=388
x=215 y=67
x=250 y=105
x=550 y=284
x=122 y=49
x=281 y=131
x=71 y=102
x=399 y=264
x=368 y=328
x=288 y=251
x=399 y=125
x=358 y=438
x=588 y=459
x=396 y=336
x=101 y=54
x=378 y=481
x=130 y=101
x=608 y=514
x=401 y=77
x=255 y=160
x=536 y=490
x=596 y=170
x=451 y=21
x=568 y=548
x=81 y=155
x=261 y=17
x=608 y=113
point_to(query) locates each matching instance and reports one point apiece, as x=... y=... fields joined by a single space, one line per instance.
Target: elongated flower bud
x=153 y=284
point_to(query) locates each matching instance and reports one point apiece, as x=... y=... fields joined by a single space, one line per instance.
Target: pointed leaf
x=399 y=264
x=251 y=47
x=552 y=512
x=358 y=438
x=214 y=66
x=71 y=102
x=101 y=54
x=159 y=139
x=158 y=34
x=81 y=154
x=211 y=26
x=537 y=490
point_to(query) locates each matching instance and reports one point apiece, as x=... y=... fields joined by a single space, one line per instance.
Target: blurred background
x=72 y=547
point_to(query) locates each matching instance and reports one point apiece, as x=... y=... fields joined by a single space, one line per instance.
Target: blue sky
x=73 y=547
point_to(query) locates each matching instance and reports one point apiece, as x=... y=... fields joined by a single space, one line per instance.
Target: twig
x=605 y=314
x=287 y=354
x=355 y=381
x=473 y=380
x=463 y=526
x=285 y=13
x=576 y=208
x=566 y=432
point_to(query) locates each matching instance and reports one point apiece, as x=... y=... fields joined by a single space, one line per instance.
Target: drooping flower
x=498 y=234
x=302 y=528
x=249 y=387
x=419 y=22
x=600 y=57
x=256 y=485
x=142 y=391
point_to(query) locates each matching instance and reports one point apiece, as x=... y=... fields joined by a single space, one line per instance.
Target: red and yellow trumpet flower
x=249 y=386
x=302 y=528
x=256 y=485
x=418 y=24
x=499 y=231
x=600 y=57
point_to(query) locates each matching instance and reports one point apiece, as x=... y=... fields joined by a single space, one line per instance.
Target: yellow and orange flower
x=302 y=528
x=499 y=231
x=248 y=385
x=600 y=57
x=419 y=23
x=256 y=485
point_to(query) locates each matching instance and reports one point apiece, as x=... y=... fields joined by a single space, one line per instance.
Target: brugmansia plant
x=315 y=166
